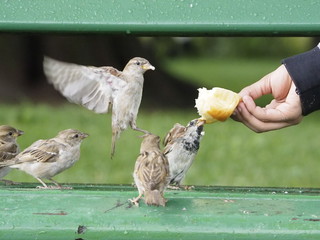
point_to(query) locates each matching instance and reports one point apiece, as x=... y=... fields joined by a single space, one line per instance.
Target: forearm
x=304 y=70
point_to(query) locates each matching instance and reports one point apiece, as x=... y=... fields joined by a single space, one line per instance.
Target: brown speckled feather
x=8 y=150
x=9 y=147
x=151 y=173
x=181 y=147
x=176 y=132
x=43 y=151
x=152 y=170
x=47 y=158
x=101 y=88
x=115 y=72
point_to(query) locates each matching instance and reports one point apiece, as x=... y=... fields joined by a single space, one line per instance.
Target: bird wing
x=91 y=87
x=176 y=132
x=41 y=151
x=8 y=150
x=153 y=170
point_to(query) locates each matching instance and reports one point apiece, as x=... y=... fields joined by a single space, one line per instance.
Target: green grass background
x=230 y=153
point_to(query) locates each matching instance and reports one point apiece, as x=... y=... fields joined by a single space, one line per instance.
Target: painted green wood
x=103 y=212
x=165 y=17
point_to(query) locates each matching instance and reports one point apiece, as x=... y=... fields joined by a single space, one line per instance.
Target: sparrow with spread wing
x=9 y=147
x=151 y=172
x=47 y=158
x=181 y=147
x=99 y=88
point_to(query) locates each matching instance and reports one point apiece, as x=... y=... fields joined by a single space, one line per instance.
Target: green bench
x=165 y=17
x=102 y=211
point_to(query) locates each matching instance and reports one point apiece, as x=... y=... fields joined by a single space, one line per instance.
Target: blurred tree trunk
x=21 y=73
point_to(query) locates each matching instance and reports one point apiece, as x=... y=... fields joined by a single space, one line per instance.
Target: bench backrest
x=164 y=17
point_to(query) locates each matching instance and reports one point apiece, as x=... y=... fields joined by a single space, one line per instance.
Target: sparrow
x=9 y=147
x=151 y=172
x=101 y=88
x=47 y=158
x=181 y=147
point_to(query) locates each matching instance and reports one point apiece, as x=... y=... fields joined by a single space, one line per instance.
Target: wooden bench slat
x=165 y=17
x=235 y=213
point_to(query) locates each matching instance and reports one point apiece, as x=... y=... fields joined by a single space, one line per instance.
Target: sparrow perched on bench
x=47 y=158
x=151 y=172
x=181 y=147
x=99 y=88
x=9 y=147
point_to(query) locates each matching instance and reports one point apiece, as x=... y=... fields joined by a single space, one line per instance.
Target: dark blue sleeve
x=304 y=70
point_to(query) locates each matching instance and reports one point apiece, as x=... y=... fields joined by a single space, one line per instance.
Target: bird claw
x=135 y=201
x=178 y=187
x=171 y=187
x=189 y=188
x=66 y=187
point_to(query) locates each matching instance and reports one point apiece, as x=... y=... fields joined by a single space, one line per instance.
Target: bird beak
x=84 y=135
x=19 y=133
x=148 y=66
x=201 y=122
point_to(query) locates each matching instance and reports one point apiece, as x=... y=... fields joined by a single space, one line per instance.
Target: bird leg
x=58 y=186
x=134 y=127
x=44 y=186
x=141 y=130
x=135 y=201
x=55 y=183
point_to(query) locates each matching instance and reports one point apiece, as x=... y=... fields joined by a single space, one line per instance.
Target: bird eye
x=76 y=136
x=10 y=133
x=138 y=63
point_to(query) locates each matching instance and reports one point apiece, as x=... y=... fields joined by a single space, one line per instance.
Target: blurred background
x=230 y=154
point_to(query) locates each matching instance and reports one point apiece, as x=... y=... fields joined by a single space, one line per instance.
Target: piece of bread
x=216 y=104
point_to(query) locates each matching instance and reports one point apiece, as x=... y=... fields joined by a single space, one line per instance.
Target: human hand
x=283 y=111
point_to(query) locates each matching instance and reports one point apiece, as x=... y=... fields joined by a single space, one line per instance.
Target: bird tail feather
x=7 y=163
x=115 y=136
x=154 y=197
